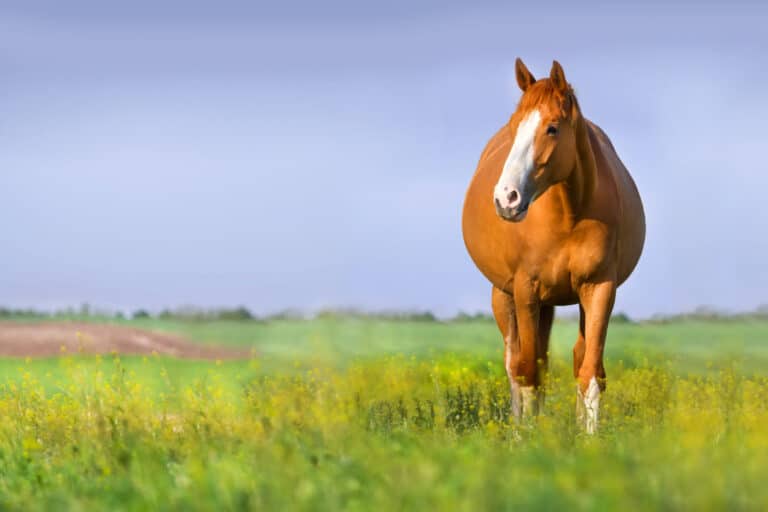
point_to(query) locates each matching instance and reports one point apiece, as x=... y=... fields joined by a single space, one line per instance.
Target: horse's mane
x=544 y=91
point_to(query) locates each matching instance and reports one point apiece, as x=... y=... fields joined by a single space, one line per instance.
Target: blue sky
x=289 y=155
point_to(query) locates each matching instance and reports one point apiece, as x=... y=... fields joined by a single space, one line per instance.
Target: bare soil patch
x=56 y=338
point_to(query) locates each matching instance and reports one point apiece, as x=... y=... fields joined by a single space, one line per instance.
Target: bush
x=621 y=318
x=191 y=313
x=239 y=313
x=476 y=317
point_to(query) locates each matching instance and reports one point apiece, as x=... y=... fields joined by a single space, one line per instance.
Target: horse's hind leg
x=580 y=347
x=546 y=319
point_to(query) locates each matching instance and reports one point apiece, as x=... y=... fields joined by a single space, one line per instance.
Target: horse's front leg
x=523 y=367
x=596 y=300
x=503 y=307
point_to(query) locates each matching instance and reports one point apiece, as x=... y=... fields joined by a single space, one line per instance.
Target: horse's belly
x=631 y=231
x=630 y=223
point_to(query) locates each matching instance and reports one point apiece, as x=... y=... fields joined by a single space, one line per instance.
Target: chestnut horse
x=552 y=217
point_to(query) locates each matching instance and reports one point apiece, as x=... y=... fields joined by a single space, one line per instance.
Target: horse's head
x=544 y=150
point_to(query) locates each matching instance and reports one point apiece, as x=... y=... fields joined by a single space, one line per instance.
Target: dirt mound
x=54 y=338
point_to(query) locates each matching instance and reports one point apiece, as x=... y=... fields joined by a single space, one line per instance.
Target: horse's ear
x=557 y=76
x=524 y=77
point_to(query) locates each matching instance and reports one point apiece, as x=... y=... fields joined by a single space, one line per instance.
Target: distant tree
x=286 y=314
x=140 y=313
x=22 y=313
x=422 y=316
x=707 y=313
x=621 y=318
x=463 y=316
x=239 y=313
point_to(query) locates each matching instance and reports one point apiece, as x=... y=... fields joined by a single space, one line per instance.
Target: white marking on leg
x=517 y=400
x=530 y=401
x=589 y=406
x=519 y=163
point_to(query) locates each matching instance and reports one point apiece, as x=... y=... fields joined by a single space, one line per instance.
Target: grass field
x=350 y=414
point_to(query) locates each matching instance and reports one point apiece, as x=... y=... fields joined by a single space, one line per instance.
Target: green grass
x=692 y=346
x=372 y=415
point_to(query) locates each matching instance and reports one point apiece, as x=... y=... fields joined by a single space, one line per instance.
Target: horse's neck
x=582 y=182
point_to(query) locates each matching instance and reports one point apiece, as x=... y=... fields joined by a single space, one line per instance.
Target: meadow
x=364 y=414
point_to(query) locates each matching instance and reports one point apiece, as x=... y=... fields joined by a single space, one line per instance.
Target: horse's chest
x=561 y=266
x=555 y=278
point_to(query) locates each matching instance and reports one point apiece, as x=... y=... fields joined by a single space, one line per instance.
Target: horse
x=552 y=217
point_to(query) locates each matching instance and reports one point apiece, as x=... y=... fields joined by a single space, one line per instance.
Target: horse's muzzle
x=515 y=214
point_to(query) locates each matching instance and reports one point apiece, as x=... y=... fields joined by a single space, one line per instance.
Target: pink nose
x=513 y=198
x=509 y=198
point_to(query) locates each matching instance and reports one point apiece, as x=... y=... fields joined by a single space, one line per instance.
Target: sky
x=315 y=154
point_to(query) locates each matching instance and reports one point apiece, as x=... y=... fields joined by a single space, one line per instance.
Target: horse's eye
x=552 y=130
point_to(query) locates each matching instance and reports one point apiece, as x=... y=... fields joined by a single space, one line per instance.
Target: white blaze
x=519 y=163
